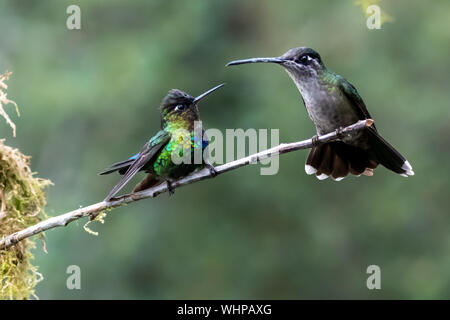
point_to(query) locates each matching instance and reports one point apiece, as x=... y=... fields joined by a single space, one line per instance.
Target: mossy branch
x=22 y=201
x=93 y=210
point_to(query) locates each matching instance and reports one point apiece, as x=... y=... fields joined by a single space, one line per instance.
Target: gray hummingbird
x=333 y=103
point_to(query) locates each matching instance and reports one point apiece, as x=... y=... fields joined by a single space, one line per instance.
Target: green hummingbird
x=333 y=103
x=179 y=113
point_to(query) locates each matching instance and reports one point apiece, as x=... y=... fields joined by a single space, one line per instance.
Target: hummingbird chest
x=328 y=107
x=182 y=155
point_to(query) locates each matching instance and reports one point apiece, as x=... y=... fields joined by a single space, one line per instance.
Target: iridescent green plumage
x=180 y=141
x=177 y=137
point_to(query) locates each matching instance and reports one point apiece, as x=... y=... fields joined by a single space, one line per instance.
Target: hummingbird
x=333 y=103
x=179 y=112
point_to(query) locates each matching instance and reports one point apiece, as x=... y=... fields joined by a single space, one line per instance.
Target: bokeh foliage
x=90 y=98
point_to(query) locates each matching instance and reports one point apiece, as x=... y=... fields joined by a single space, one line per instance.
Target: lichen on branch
x=4 y=101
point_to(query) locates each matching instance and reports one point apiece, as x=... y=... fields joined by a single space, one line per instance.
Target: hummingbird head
x=300 y=63
x=179 y=107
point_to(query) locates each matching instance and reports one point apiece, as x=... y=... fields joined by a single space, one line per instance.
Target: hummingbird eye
x=304 y=59
x=180 y=107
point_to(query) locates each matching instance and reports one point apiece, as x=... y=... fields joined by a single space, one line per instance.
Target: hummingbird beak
x=200 y=97
x=256 y=60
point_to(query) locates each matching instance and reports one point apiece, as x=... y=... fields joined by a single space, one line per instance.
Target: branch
x=64 y=219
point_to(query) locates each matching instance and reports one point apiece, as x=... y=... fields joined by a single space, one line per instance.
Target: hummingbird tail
x=387 y=155
x=337 y=159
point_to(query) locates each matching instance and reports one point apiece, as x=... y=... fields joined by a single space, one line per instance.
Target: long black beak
x=256 y=60
x=200 y=97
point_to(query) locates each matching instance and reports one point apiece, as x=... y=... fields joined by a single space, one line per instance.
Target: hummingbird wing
x=355 y=99
x=385 y=153
x=119 y=166
x=147 y=152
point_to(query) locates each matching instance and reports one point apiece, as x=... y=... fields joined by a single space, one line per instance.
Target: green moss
x=22 y=201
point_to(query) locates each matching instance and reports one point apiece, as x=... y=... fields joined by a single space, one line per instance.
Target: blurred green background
x=89 y=97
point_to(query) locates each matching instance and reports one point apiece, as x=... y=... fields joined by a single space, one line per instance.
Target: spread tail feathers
x=337 y=159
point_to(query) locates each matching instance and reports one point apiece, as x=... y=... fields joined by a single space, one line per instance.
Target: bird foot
x=212 y=170
x=339 y=132
x=170 y=188
x=315 y=141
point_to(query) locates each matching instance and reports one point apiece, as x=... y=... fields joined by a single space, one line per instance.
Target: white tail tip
x=407 y=167
x=309 y=169
x=322 y=176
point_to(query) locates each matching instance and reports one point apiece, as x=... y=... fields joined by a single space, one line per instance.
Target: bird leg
x=212 y=170
x=315 y=141
x=169 y=187
x=339 y=132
